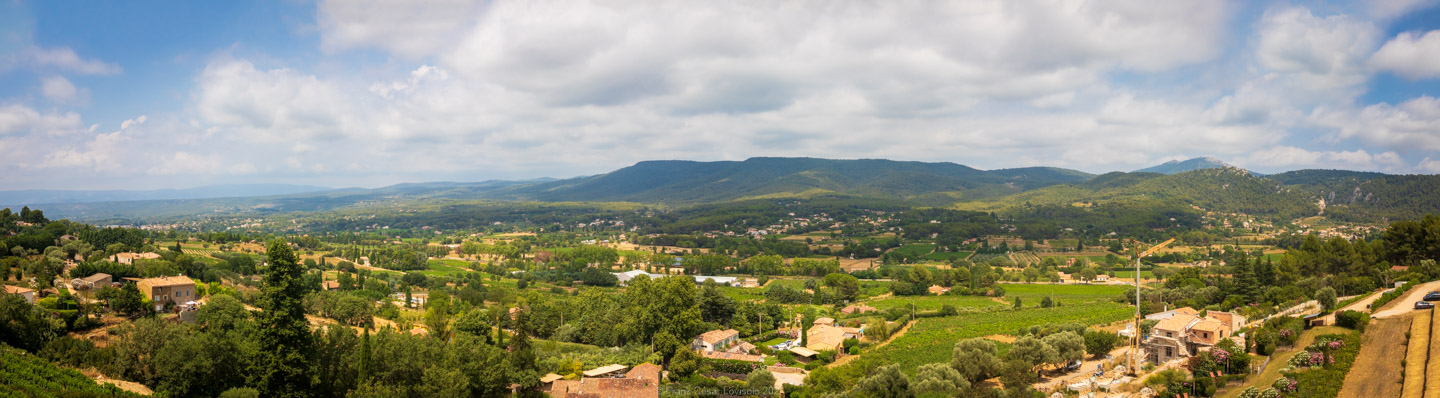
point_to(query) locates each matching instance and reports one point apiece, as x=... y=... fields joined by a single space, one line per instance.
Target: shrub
x=1352 y=320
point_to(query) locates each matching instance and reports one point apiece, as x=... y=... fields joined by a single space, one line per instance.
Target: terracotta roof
x=716 y=336
x=854 y=308
x=169 y=281
x=1176 y=323
x=550 y=378
x=824 y=321
x=821 y=336
x=646 y=371
x=1207 y=325
x=1186 y=311
x=17 y=290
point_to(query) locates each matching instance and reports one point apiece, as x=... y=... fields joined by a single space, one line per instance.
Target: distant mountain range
x=42 y=196
x=1203 y=182
x=1181 y=166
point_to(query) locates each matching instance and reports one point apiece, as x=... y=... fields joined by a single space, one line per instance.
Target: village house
x=641 y=382
x=825 y=335
x=715 y=340
x=332 y=285
x=938 y=290
x=27 y=293
x=856 y=309
x=173 y=290
x=1182 y=333
x=732 y=356
x=96 y=281
x=129 y=258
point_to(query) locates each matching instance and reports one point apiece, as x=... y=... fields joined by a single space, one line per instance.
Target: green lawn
x=742 y=293
x=932 y=339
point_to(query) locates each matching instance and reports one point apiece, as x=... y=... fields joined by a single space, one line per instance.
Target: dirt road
x=846 y=359
x=1377 y=372
x=1406 y=304
x=1361 y=305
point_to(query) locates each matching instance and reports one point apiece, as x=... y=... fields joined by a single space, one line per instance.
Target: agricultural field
x=932 y=303
x=1417 y=352
x=931 y=340
x=1130 y=274
x=947 y=256
x=446 y=267
x=1024 y=258
x=1066 y=293
x=916 y=249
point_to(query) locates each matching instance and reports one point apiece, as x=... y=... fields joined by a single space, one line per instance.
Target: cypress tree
x=364 y=366
x=285 y=340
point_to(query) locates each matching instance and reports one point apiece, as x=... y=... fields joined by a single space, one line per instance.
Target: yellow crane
x=1135 y=333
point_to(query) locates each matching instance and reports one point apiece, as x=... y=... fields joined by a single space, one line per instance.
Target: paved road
x=1405 y=305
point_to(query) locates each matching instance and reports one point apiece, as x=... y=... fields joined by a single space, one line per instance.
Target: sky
x=151 y=94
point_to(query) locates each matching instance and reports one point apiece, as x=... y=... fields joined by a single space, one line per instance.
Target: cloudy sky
x=369 y=93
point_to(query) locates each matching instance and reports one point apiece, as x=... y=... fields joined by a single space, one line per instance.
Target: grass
x=932 y=339
x=742 y=293
x=446 y=267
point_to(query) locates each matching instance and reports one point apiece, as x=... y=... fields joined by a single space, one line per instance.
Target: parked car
x=1424 y=305
x=1433 y=296
x=1073 y=366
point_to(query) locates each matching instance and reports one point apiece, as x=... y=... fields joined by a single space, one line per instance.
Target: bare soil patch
x=122 y=384
x=1003 y=338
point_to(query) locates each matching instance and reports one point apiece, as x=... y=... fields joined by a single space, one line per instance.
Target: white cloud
x=59 y=89
x=1320 y=56
x=1428 y=166
x=403 y=27
x=275 y=105
x=1289 y=157
x=199 y=164
x=1410 y=56
x=1389 y=9
x=21 y=119
x=1411 y=126
x=61 y=58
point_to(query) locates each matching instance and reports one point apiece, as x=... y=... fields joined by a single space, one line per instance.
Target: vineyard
x=931 y=303
x=932 y=340
x=25 y=375
x=1024 y=258
x=1066 y=293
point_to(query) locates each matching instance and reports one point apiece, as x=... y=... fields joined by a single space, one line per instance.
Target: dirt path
x=1376 y=372
x=1406 y=304
x=122 y=384
x=1087 y=368
x=846 y=359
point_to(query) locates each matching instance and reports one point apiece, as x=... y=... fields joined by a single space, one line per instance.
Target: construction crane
x=1135 y=333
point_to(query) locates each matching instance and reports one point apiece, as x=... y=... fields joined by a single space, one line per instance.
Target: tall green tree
x=285 y=341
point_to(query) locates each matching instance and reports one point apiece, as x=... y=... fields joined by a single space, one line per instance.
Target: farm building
x=856 y=309
x=1184 y=333
x=174 y=290
x=96 y=281
x=129 y=258
x=28 y=294
x=938 y=290
x=715 y=340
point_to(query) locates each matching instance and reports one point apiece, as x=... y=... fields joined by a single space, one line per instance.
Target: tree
x=846 y=287
x=1099 y=343
x=1068 y=347
x=939 y=378
x=285 y=341
x=886 y=382
x=714 y=305
x=1326 y=297
x=975 y=359
x=1033 y=351
x=760 y=380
